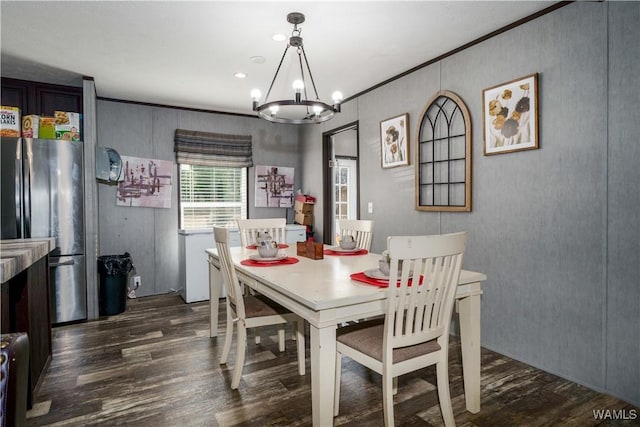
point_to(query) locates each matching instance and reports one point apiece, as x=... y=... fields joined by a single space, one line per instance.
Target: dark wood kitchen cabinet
x=40 y=98
x=24 y=297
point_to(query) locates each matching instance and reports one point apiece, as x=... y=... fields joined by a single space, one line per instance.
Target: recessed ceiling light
x=257 y=59
x=240 y=75
x=279 y=37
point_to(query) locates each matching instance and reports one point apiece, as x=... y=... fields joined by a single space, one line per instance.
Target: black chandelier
x=298 y=110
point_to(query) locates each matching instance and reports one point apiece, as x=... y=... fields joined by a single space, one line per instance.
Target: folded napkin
x=383 y=283
x=361 y=277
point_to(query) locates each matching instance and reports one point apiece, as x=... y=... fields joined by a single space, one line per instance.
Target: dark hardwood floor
x=155 y=365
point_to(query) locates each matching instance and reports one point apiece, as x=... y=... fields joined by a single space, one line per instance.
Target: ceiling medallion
x=299 y=110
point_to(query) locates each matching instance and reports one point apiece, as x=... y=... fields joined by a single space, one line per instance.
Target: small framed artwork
x=146 y=183
x=510 y=116
x=274 y=187
x=394 y=141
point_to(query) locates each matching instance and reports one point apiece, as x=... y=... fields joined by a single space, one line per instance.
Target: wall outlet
x=370 y=207
x=137 y=281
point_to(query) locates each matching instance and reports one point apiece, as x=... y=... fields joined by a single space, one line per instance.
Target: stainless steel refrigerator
x=43 y=196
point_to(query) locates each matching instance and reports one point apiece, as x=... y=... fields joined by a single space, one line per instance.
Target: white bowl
x=384 y=266
x=348 y=244
x=268 y=251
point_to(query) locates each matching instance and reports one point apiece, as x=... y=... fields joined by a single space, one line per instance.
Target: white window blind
x=211 y=195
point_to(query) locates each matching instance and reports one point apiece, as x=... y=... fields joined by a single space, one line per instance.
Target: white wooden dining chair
x=360 y=229
x=415 y=330
x=250 y=311
x=249 y=229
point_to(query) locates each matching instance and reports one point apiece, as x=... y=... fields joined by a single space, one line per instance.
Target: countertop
x=16 y=255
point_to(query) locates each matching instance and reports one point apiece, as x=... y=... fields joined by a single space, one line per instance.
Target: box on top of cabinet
x=67 y=125
x=30 y=126
x=303 y=219
x=305 y=198
x=10 y=124
x=305 y=208
x=47 y=128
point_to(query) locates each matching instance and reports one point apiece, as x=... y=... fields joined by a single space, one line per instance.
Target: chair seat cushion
x=367 y=337
x=260 y=306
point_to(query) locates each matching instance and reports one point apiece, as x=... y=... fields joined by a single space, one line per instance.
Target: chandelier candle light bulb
x=337 y=99
x=255 y=96
x=298 y=85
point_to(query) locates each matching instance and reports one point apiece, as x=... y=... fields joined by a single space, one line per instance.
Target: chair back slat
x=360 y=229
x=249 y=229
x=231 y=283
x=426 y=269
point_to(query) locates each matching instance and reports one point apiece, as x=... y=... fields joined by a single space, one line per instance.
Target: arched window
x=443 y=155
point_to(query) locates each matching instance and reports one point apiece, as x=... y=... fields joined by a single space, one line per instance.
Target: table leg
x=469 y=312
x=323 y=365
x=215 y=281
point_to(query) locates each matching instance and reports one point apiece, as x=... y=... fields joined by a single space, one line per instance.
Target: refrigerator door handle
x=18 y=198
x=58 y=264
x=26 y=173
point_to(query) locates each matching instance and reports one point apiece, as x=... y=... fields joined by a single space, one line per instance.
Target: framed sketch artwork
x=394 y=141
x=274 y=187
x=510 y=116
x=147 y=183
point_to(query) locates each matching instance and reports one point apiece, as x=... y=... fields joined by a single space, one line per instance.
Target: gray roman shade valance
x=213 y=149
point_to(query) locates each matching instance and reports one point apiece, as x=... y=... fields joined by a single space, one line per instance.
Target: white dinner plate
x=375 y=273
x=339 y=249
x=276 y=258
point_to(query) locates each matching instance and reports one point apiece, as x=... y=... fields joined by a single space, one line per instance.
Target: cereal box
x=47 y=128
x=9 y=121
x=30 y=126
x=67 y=125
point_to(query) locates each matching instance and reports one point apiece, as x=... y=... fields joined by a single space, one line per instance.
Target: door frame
x=327 y=188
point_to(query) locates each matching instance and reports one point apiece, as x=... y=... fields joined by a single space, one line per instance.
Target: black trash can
x=114 y=271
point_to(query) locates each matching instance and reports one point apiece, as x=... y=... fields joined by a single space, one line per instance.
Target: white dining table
x=322 y=292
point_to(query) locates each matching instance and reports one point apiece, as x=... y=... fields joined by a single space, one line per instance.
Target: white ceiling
x=185 y=53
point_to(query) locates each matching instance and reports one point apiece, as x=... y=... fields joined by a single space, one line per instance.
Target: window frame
x=461 y=119
x=181 y=216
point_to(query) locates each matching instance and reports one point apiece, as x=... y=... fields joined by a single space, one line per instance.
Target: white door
x=345 y=191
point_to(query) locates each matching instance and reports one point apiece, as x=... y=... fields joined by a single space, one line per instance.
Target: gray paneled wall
x=556 y=230
x=151 y=235
x=622 y=334
x=345 y=144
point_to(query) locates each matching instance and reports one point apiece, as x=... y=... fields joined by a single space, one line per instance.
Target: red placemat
x=252 y=263
x=280 y=245
x=361 y=277
x=360 y=252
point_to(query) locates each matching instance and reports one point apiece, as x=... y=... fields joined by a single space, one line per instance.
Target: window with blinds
x=211 y=195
